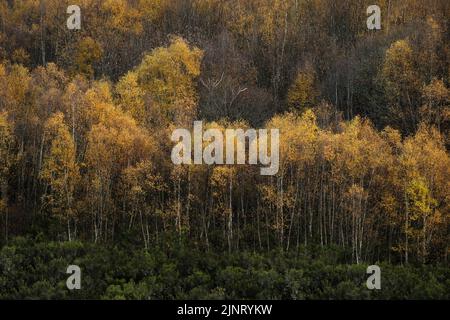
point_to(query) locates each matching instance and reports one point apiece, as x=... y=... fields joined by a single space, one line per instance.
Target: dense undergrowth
x=32 y=269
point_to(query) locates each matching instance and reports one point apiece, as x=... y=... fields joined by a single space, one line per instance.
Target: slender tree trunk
x=6 y=224
x=258 y=224
x=42 y=14
x=406 y=227
x=230 y=214
x=68 y=229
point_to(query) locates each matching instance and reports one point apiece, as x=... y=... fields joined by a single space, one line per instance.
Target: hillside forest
x=85 y=170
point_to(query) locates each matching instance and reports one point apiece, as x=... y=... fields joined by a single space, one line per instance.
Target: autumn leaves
x=85 y=141
x=95 y=155
x=227 y=146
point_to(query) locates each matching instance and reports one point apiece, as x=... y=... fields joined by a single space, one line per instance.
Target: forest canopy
x=364 y=119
